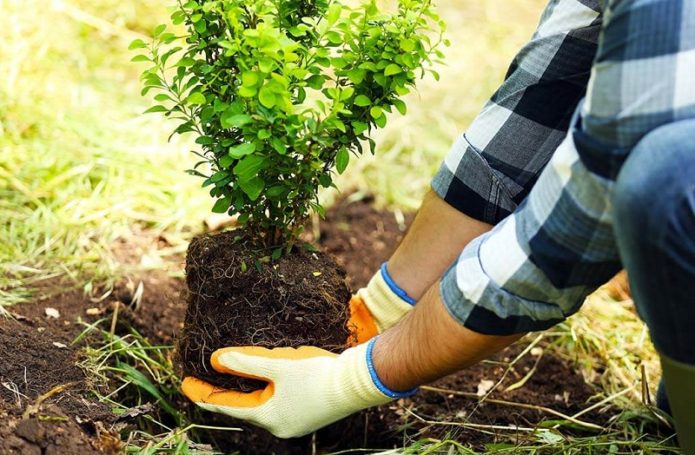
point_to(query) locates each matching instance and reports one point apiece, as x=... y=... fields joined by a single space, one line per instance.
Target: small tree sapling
x=280 y=93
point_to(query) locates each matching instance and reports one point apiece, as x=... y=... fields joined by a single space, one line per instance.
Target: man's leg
x=655 y=230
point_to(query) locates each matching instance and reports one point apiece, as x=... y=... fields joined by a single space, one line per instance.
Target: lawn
x=96 y=209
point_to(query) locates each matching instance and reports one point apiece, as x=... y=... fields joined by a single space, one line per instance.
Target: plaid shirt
x=544 y=162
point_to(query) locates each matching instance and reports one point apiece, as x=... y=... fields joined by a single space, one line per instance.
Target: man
x=582 y=162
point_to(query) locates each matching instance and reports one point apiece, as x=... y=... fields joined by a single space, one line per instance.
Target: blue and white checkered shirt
x=541 y=159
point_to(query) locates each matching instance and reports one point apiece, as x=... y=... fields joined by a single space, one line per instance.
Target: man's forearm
x=435 y=238
x=429 y=344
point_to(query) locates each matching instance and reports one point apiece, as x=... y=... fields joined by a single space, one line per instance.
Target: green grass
x=81 y=168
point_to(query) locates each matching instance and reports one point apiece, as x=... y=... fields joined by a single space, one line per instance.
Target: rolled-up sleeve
x=493 y=166
x=537 y=266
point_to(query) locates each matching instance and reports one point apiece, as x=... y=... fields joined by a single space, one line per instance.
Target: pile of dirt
x=360 y=238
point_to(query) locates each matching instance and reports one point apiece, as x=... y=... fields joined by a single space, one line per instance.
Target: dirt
x=46 y=406
x=71 y=420
x=359 y=237
x=234 y=299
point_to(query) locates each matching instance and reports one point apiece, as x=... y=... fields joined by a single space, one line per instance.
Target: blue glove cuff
x=394 y=287
x=377 y=382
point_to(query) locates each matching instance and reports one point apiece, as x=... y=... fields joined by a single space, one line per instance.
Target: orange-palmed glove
x=377 y=306
x=307 y=389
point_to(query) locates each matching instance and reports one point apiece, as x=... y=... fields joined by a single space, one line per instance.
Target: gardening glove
x=308 y=387
x=377 y=307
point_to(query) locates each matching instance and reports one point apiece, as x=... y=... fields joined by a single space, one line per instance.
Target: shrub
x=281 y=92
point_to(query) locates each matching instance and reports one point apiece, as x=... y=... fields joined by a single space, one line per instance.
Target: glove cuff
x=385 y=300
x=401 y=293
x=377 y=381
x=358 y=384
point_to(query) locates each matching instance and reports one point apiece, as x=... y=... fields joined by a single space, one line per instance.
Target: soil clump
x=235 y=300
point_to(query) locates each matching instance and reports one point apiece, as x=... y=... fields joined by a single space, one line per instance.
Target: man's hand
x=377 y=307
x=308 y=387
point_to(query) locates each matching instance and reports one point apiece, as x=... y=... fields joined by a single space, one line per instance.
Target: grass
x=79 y=166
x=128 y=374
x=81 y=169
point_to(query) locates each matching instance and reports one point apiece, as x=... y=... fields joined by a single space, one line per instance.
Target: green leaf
x=253 y=187
x=277 y=191
x=376 y=112
x=158 y=30
x=218 y=176
x=342 y=159
x=247 y=168
x=247 y=92
x=162 y=97
x=141 y=58
x=316 y=81
x=334 y=37
x=333 y=13
x=392 y=69
x=242 y=150
x=186 y=61
x=200 y=27
x=157 y=108
x=267 y=97
x=205 y=140
x=230 y=120
x=400 y=105
x=408 y=45
x=137 y=44
x=359 y=127
x=266 y=65
x=278 y=145
x=362 y=101
x=325 y=180
x=356 y=75
x=347 y=93
x=222 y=205
x=249 y=78
x=196 y=98
x=226 y=161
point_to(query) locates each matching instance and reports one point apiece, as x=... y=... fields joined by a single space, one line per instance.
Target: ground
x=523 y=396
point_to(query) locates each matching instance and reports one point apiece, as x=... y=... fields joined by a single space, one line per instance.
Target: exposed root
x=232 y=303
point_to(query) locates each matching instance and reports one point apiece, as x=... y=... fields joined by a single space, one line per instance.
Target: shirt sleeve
x=537 y=266
x=493 y=166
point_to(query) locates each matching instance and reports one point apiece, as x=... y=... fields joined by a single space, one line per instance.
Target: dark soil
x=359 y=237
x=295 y=301
x=45 y=403
x=72 y=421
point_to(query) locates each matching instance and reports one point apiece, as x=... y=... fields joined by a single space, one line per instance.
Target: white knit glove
x=307 y=389
x=378 y=306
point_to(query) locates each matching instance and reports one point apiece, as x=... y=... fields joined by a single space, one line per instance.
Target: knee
x=656 y=179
